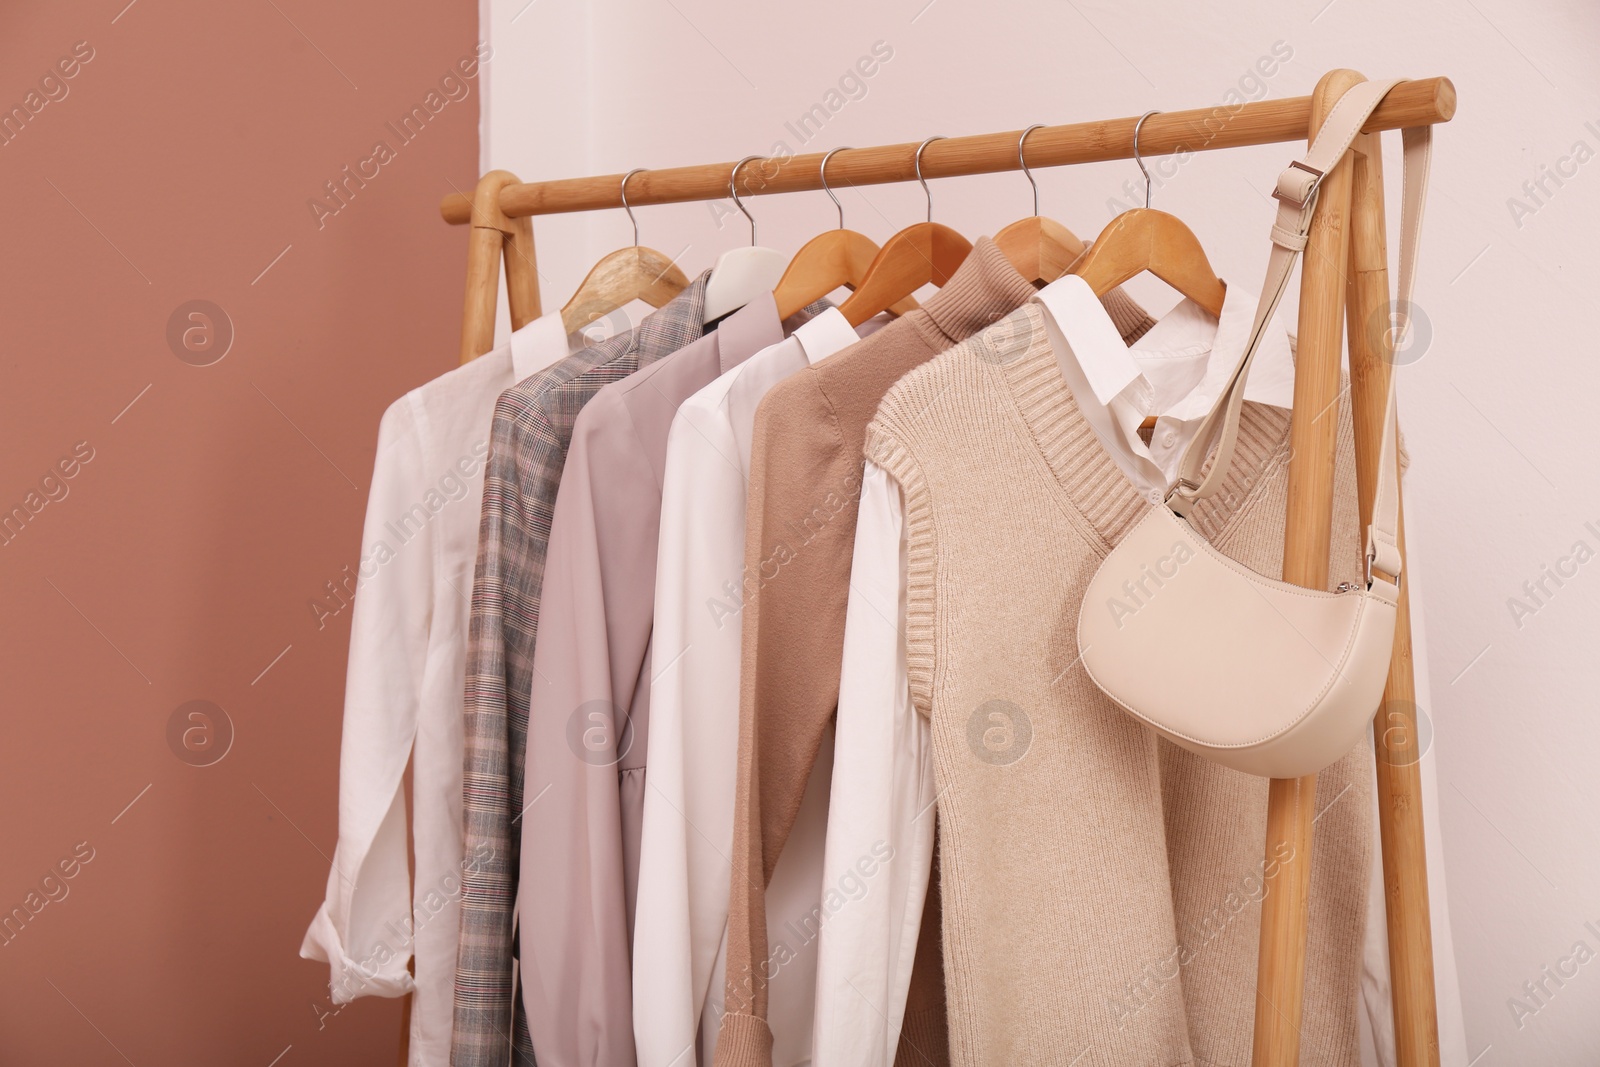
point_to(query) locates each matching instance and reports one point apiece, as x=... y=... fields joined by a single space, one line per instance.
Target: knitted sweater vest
x=1101 y=886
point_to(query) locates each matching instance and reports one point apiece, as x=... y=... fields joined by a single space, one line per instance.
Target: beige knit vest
x=1101 y=887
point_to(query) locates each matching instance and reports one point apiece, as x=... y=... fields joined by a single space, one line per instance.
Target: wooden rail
x=1413 y=103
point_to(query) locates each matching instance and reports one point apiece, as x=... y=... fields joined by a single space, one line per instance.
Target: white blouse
x=403 y=695
x=687 y=837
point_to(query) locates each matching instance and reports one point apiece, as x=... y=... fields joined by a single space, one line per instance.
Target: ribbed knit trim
x=883 y=447
x=743 y=1041
x=982 y=289
x=1131 y=320
x=924 y=1040
x=986 y=286
x=1260 y=453
x=1086 y=474
x=1020 y=345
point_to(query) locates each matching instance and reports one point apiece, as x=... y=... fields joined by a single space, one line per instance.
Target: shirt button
x=1170 y=439
x=1154 y=496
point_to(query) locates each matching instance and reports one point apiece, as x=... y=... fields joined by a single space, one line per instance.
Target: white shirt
x=882 y=802
x=403 y=695
x=1176 y=372
x=883 y=790
x=687 y=836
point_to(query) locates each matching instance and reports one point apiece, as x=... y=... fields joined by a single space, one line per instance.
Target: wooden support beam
x=522 y=274
x=1395 y=732
x=490 y=230
x=1291 y=803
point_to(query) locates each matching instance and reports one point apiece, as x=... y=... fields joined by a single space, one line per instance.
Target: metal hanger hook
x=822 y=172
x=920 y=180
x=625 y=207
x=1136 y=158
x=733 y=178
x=1023 y=163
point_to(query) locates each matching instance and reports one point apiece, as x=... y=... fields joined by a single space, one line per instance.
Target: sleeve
x=881 y=812
x=360 y=930
x=594 y=627
x=694 y=712
x=797 y=563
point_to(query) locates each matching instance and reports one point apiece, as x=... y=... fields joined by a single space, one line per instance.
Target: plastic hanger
x=626 y=275
x=917 y=255
x=1144 y=239
x=741 y=274
x=1041 y=249
x=828 y=261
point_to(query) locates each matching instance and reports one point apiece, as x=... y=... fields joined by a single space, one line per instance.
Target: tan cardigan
x=805 y=484
x=1101 y=887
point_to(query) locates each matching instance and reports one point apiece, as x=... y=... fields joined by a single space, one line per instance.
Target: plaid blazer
x=528 y=442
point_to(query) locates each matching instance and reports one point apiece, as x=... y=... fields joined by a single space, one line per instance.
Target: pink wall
x=206 y=505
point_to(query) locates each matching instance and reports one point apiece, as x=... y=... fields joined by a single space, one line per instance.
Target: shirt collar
x=538 y=344
x=825 y=334
x=1110 y=366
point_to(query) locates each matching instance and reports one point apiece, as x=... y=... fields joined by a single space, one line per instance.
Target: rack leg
x=522 y=274
x=490 y=231
x=1399 y=767
x=1280 y=973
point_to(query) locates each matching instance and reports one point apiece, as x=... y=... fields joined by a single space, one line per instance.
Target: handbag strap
x=1296 y=194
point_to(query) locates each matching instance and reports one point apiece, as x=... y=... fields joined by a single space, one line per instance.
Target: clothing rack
x=1344 y=279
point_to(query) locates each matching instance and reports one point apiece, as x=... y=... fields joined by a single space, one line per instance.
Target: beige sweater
x=805 y=485
x=1100 y=887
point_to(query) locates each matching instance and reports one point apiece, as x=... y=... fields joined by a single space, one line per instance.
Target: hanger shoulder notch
x=1040 y=248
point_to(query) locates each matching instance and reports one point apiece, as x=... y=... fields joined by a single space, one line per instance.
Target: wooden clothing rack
x=1344 y=280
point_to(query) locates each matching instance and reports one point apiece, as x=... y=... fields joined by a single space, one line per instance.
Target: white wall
x=1503 y=474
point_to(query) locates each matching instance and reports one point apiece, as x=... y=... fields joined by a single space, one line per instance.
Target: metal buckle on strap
x=1179 y=487
x=1372 y=557
x=1316 y=180
x=1179 y=499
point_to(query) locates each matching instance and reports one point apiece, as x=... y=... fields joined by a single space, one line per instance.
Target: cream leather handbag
x=1246 y=670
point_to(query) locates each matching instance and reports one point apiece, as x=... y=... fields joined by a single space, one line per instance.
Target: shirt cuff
x=743 y=1041
x=382 y=974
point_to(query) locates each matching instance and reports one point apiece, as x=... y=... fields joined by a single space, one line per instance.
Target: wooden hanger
x=828 y=261
x=1144 y=239
x=1041 y=249
x=626 y=275
x=917 y=255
